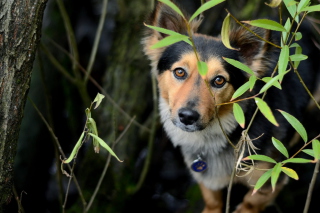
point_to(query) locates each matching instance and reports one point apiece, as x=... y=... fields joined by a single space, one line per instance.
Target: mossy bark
x=20 y=29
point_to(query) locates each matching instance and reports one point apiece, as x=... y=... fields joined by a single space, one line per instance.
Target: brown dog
x=189 y=107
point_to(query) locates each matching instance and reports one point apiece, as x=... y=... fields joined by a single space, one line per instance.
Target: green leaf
x=290 y=172
x=275 y=175
x=162 y=30
x=225 y=32
x=172 y=6
x=252 y=81
x=98 y=100
x=91 y=124
x=298 y=57
x=271 y=82
x=262 y=158
x=280 y=147
x=240 y=91
x=302 y=4
x=239 y=65
x=75 y=149
x=105 y=145
x=295 y=123
x=295 y=45
x=297 y=52
x=262 y=180
x=316 y=149
x=283 y=59
x=309 y=152
x=285 y=33
x=88 y=113
x=169 y=40
x=202 y=68
x=204 y=7
x=266 y=24
x=292 y=8
x=238 y=114
x=297 y=36
x=266 y=111
x=274 y=3
x=296 y=160
x=312 y=8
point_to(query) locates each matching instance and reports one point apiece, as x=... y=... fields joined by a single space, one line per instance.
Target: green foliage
x=172 y=6
x=266 y=111
x=241 y=90
x=239 y=65
x=266 y=24
x=238 y=114
x=280 y=147
x=202 y=68
x=204 y=7
x=296 y=124
x=225 y=32
x=90 y=130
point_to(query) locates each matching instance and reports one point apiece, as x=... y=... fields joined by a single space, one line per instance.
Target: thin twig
x=57 y=65
x=151 y=137
x=106 y=166
x=68 y=187
x=247 y=28
x=231 y=182
x=71 y=37
x=18 y=199
x=50 y=121
x=305 y=86
x=97 y=39
x=84 y=203
x=101 y=89
x=311 y=187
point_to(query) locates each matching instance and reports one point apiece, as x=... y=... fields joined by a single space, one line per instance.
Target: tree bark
x=20 y=30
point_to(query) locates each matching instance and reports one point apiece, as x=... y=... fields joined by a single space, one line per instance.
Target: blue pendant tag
x=199 y=165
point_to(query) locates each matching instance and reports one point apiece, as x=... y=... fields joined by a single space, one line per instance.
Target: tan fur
x=212 y=199
x=178 y=93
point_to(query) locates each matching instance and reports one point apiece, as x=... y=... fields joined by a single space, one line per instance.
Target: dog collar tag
x=199 y=165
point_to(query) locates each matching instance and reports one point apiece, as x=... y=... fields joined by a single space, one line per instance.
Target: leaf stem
x=247 y=28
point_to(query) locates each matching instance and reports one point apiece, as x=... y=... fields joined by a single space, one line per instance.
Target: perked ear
x=163 y=16
x=254 y=52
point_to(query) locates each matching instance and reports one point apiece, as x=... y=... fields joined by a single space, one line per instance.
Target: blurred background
x=122 y=73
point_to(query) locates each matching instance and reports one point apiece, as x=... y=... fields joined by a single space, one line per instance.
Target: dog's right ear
x=163 y=16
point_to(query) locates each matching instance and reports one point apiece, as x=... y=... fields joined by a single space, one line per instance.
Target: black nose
x=188 y=116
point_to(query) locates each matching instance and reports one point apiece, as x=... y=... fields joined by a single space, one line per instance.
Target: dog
x=194 y=116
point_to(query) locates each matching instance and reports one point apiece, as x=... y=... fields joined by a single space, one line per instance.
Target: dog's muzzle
x=188 y=120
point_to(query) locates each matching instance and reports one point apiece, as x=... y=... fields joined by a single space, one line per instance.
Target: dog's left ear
x=253 y=51
x=163 y=16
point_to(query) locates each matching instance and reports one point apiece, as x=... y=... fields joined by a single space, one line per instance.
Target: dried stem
x=84 y=203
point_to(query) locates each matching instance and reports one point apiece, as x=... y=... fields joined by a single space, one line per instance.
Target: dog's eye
x=218 y=81
x=180 y=73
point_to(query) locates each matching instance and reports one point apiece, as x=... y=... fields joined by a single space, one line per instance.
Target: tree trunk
x=20 y=29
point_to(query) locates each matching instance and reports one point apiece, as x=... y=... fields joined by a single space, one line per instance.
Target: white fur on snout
x=210 y=143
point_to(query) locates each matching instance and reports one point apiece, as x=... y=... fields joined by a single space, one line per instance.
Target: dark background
x=123 y=72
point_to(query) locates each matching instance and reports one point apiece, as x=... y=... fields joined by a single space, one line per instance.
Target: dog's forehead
x=207 y=48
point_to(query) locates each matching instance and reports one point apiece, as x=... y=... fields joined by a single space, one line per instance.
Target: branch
x=84 y=203
x=311 y=187
x=97 y=39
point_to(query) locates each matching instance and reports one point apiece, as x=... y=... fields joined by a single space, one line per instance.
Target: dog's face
x=193 y=100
